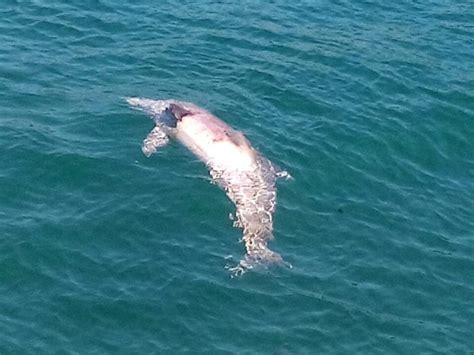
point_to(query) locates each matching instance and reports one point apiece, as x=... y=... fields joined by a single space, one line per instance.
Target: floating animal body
x=247 y=177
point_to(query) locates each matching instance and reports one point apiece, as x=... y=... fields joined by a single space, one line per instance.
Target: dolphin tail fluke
x=257 y=258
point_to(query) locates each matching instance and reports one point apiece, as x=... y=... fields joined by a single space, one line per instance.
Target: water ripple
x=368 y=105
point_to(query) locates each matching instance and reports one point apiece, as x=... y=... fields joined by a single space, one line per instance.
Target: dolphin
x=246 y=176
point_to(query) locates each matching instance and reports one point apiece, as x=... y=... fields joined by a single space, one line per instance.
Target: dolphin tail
x=257 y=256
x=263 y=258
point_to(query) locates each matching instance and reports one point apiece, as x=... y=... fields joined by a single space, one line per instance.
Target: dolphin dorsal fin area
x=237 y=138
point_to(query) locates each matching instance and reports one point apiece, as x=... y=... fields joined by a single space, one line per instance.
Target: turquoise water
x=369 y=106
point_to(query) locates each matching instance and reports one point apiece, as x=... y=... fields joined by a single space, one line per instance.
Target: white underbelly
x=226 y=155
x=221 y=154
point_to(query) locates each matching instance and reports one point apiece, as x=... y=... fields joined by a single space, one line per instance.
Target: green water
x=369 y=106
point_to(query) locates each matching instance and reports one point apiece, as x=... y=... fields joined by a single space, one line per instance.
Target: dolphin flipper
x=155 y=139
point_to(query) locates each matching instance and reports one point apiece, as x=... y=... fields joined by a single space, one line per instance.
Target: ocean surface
x=369 y=105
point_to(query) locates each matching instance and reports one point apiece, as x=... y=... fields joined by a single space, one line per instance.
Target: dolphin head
x=173 y=114
x=168 y=112
x=153 y=107
x=179 y=110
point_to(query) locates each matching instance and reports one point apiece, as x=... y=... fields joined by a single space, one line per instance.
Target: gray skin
x=244 y=174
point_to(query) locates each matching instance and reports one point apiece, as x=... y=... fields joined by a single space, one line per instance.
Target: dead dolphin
x=246 y=176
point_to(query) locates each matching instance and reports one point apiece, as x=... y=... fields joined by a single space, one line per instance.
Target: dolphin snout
x=133 y=101
x=153 y=107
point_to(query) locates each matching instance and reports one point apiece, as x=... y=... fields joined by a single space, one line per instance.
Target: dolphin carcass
x=243 y=173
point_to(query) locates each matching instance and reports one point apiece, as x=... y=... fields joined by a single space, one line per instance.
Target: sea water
x=369 y=106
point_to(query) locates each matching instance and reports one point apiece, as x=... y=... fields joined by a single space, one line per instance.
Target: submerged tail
x=257 y=259
x=258 y=255
x=254 y=195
